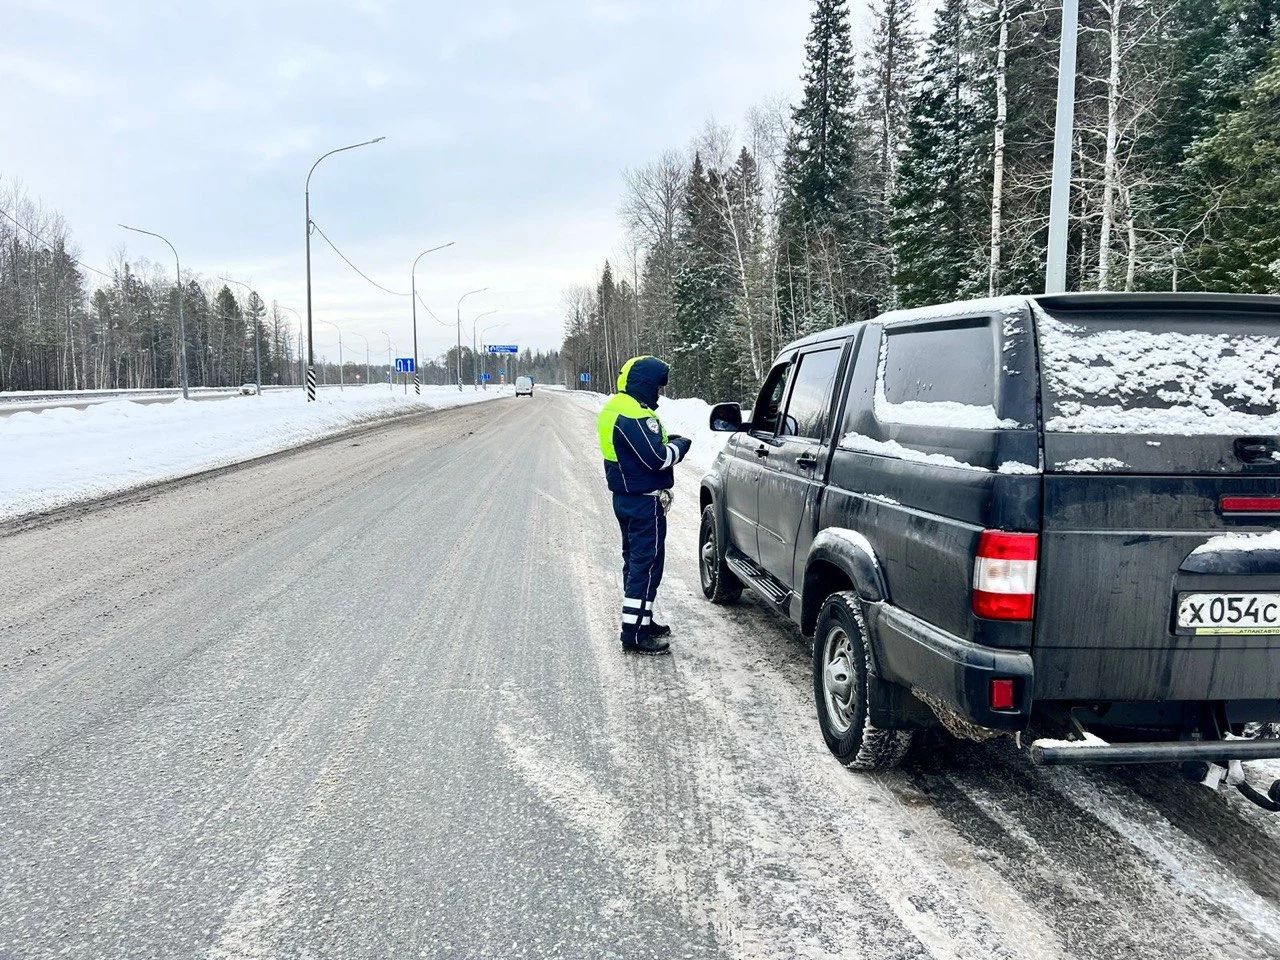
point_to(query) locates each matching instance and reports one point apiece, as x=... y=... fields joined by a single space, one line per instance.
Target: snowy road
x=365 y=700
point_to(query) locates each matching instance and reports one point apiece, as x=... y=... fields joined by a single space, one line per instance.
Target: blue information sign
x=405 y=365
x=486 y=376
x=584 y=377
x=503 y=348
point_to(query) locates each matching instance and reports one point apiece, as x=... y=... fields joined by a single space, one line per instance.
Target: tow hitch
x=1215 y=777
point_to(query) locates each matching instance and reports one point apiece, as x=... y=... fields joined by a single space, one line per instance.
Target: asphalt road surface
x=366 y=700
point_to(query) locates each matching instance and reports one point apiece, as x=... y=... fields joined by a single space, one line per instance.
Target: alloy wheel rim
x=706 y=556
x=838 y=691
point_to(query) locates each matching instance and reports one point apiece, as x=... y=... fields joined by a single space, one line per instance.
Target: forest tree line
x=65 y=325
x=916 y=169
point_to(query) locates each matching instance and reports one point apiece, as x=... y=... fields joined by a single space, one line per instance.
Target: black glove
x=680 y=443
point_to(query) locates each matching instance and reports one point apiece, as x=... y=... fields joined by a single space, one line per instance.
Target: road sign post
x=406 y=365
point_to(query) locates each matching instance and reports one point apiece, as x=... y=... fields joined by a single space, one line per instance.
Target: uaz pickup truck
x=1059 y=509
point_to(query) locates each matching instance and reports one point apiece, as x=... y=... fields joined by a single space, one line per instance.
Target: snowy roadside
x=61 y=456
x=688 y=417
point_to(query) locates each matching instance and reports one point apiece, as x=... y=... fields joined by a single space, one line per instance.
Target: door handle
x=808 y=461
x=762 y=451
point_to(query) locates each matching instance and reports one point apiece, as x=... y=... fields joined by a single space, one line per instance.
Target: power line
x=433 y=316
x=23 y=226
x=394 y=293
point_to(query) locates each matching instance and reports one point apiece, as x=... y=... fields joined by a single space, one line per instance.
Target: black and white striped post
x=311 y=351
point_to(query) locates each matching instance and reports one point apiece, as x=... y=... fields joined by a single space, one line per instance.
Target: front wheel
x=841 y=670
x=719 y=585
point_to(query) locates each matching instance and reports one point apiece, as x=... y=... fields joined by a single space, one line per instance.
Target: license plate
x=1235 y=613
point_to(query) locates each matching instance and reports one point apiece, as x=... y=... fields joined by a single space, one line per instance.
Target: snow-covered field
x=59 y=456
x=688 y=417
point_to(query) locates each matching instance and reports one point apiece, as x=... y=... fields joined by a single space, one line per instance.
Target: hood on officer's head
x=642 y=378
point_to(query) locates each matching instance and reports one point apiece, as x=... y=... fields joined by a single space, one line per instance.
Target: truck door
x=1161 y=489
x=794 y=459
x=743 y=461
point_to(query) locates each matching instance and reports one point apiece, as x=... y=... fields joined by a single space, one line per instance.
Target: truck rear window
x=1174 y=374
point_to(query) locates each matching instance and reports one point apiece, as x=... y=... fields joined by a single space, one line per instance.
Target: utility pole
x=311 y=354
x=1055 y=274
x=413 y=299
x=341 y=372
x=474 y=351
x=459 y=318
x=182 y=322
x=390 y=386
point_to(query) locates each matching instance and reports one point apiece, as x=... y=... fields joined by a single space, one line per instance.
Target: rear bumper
x=916 y=655
x=1058 y=753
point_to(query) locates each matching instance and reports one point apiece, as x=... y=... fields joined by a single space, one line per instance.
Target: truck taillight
x=1004 y=575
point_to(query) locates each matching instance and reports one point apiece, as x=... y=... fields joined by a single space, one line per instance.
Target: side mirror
x=726 y=418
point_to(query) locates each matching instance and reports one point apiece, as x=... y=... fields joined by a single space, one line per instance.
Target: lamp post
x=311 y=365
x=484 y=356
x=474 y=344
x=460 y=299
x=366 y=354
x=341 y=381
x=257 y=350
x=301 y=373
x=182 y=322
x=1055 y=274
x=390 y=385
x=413 y=299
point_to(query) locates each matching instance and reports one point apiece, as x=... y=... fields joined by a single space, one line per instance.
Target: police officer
x=638 y=461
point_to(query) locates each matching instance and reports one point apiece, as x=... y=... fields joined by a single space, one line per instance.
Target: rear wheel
x=719 y=585
x=841 y=668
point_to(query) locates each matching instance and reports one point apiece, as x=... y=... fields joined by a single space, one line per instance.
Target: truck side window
x=955 y=362
x=764 y=418
x=810 y=401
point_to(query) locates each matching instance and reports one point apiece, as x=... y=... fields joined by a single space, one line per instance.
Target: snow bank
x=59 y=456
x=688 y=417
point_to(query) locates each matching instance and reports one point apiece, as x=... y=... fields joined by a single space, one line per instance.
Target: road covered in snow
x=66 y=454
x=366 y=699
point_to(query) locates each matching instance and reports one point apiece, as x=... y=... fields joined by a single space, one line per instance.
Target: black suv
x=1059 y=507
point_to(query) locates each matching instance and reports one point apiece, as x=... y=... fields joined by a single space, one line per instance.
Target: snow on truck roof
x=987 y=306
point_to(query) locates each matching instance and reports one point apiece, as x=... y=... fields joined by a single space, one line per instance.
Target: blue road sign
x=486 y=376
x=405 y=365
x=503 y=348
x=584 y=377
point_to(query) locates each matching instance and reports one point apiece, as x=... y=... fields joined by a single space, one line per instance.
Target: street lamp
x=460 y=299
x=257 y=350
x=301 y=376
x=366 y=354
x=413 y=298
x=341 y=382
x=484 y=356
x=182 y=322
x=311 y=366
x=487 y=313
x=390 y=385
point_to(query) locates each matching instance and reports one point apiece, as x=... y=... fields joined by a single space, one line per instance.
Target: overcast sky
x=508 y=128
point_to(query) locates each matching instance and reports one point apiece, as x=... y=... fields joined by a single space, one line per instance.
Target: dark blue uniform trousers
x=644 y=538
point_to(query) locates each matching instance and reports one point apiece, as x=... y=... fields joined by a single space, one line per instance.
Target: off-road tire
x=719 y=585
x=840 y=640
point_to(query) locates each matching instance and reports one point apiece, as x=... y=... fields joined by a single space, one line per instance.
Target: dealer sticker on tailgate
x=1239 y=613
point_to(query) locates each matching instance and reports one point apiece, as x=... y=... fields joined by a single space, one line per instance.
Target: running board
x=1063 y=752
x=757 y=580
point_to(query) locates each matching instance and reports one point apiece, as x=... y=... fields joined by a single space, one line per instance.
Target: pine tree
x=941 y=211
x=703 y=286
x=1239 y=167
x=825 y=207
x=888 y=75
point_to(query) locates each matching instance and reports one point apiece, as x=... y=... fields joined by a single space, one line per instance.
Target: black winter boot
x=656 y=629
x=645 y=642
